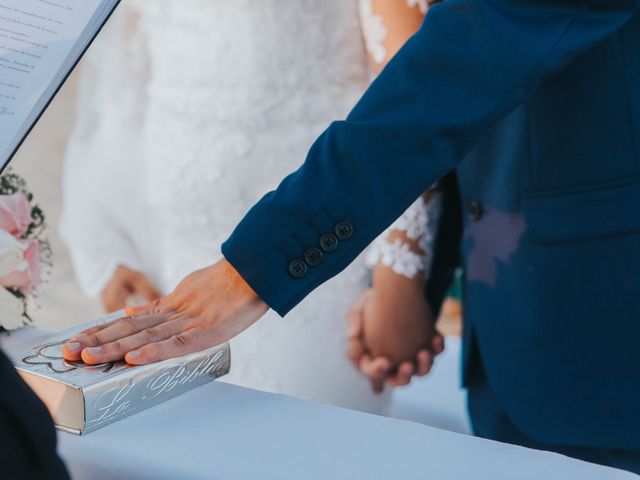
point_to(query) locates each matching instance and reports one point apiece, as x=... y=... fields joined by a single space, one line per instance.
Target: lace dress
x=226 y=97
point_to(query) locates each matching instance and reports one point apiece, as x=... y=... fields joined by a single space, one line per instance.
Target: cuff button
x=328 y=242
x=313 y=257
x=298 y=269
x=344 y=230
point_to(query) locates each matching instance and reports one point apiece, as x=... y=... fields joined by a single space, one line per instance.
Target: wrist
x=386 y=278
x=245 y=294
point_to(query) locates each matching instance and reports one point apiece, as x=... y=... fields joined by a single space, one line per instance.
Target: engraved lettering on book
x=114 y=402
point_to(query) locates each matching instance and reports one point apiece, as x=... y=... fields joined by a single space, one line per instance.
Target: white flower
x=11 y=254
x=11 y=311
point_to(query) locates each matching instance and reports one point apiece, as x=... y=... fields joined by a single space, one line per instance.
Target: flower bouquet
x=25 y=252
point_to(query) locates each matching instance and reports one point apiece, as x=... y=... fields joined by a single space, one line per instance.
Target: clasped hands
x=392 y=335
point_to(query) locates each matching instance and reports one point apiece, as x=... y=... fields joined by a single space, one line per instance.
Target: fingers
x=376 y=369
x=403 y=376
x=406 y=370
x=91 y=331
x=108 y=333
x=114 y=296
x=117 y=349
x=437 y=344
x=354 y=316
x=177 y=345
x=354 y=323
x=355 y=352
x=424 y=363
x=377 y=386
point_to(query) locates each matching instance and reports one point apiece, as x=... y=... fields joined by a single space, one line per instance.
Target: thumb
x=355 y=322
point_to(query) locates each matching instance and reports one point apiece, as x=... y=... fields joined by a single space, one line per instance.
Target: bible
x=82 y=398
x=41 y=41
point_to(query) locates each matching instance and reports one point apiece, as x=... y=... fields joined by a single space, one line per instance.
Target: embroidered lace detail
x=375 y=32
x=420 y=223
x=423 y=5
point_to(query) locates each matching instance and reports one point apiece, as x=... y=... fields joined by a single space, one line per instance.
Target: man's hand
x=127 y=283
x=392 y=336
x=208 y=308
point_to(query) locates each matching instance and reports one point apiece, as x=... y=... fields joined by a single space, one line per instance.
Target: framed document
x=41 y=42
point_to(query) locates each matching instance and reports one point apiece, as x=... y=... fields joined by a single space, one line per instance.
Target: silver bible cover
x=83 y=398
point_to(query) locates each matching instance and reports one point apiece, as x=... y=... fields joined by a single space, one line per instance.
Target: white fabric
x=419 y=223
x=230 y=94
x=224 y=432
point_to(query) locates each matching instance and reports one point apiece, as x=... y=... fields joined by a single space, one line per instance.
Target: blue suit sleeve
x=471 y=63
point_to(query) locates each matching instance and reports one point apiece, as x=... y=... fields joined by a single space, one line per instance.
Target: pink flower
x=27 y=278
x=15 y=214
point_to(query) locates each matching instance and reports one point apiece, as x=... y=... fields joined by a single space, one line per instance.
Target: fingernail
x=78 y=336
x=73 y=346
x=93 y=350
x=134 y=354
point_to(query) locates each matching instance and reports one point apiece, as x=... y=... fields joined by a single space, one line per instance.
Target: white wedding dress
x=189 y=112
x=187 y=116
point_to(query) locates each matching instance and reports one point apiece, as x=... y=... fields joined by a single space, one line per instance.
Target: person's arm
x=392 y=330
x=471 y=63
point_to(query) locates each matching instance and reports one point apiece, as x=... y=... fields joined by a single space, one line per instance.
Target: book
x=41 y=41
x=82 y=398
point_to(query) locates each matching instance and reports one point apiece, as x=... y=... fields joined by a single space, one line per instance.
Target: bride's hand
x=208 y=308
x=392 y=334
x=127 y=283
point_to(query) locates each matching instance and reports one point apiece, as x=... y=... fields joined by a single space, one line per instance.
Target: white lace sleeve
x=420 y=224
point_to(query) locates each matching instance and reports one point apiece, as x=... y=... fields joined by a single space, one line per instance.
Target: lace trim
x=423 y=5
x=419 y=222
x=375 y=31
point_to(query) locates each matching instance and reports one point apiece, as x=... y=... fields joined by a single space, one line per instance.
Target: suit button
x=297 y=268
x=313 y=257
x=344 y=231
x=474 y=211
x=328 y=242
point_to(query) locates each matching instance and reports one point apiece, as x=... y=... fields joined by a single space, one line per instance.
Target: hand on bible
x=208 y=308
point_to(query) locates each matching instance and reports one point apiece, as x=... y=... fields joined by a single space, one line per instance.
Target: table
x=221 y=431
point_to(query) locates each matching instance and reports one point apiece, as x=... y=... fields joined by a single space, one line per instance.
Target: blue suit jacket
x=536 y=104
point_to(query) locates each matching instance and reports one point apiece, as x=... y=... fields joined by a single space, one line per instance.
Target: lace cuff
x=419 y=223
x=376 y=32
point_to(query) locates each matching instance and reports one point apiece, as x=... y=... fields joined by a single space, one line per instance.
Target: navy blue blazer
x=536 y=105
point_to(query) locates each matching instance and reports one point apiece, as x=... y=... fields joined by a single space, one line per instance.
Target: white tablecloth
x=220 y=431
